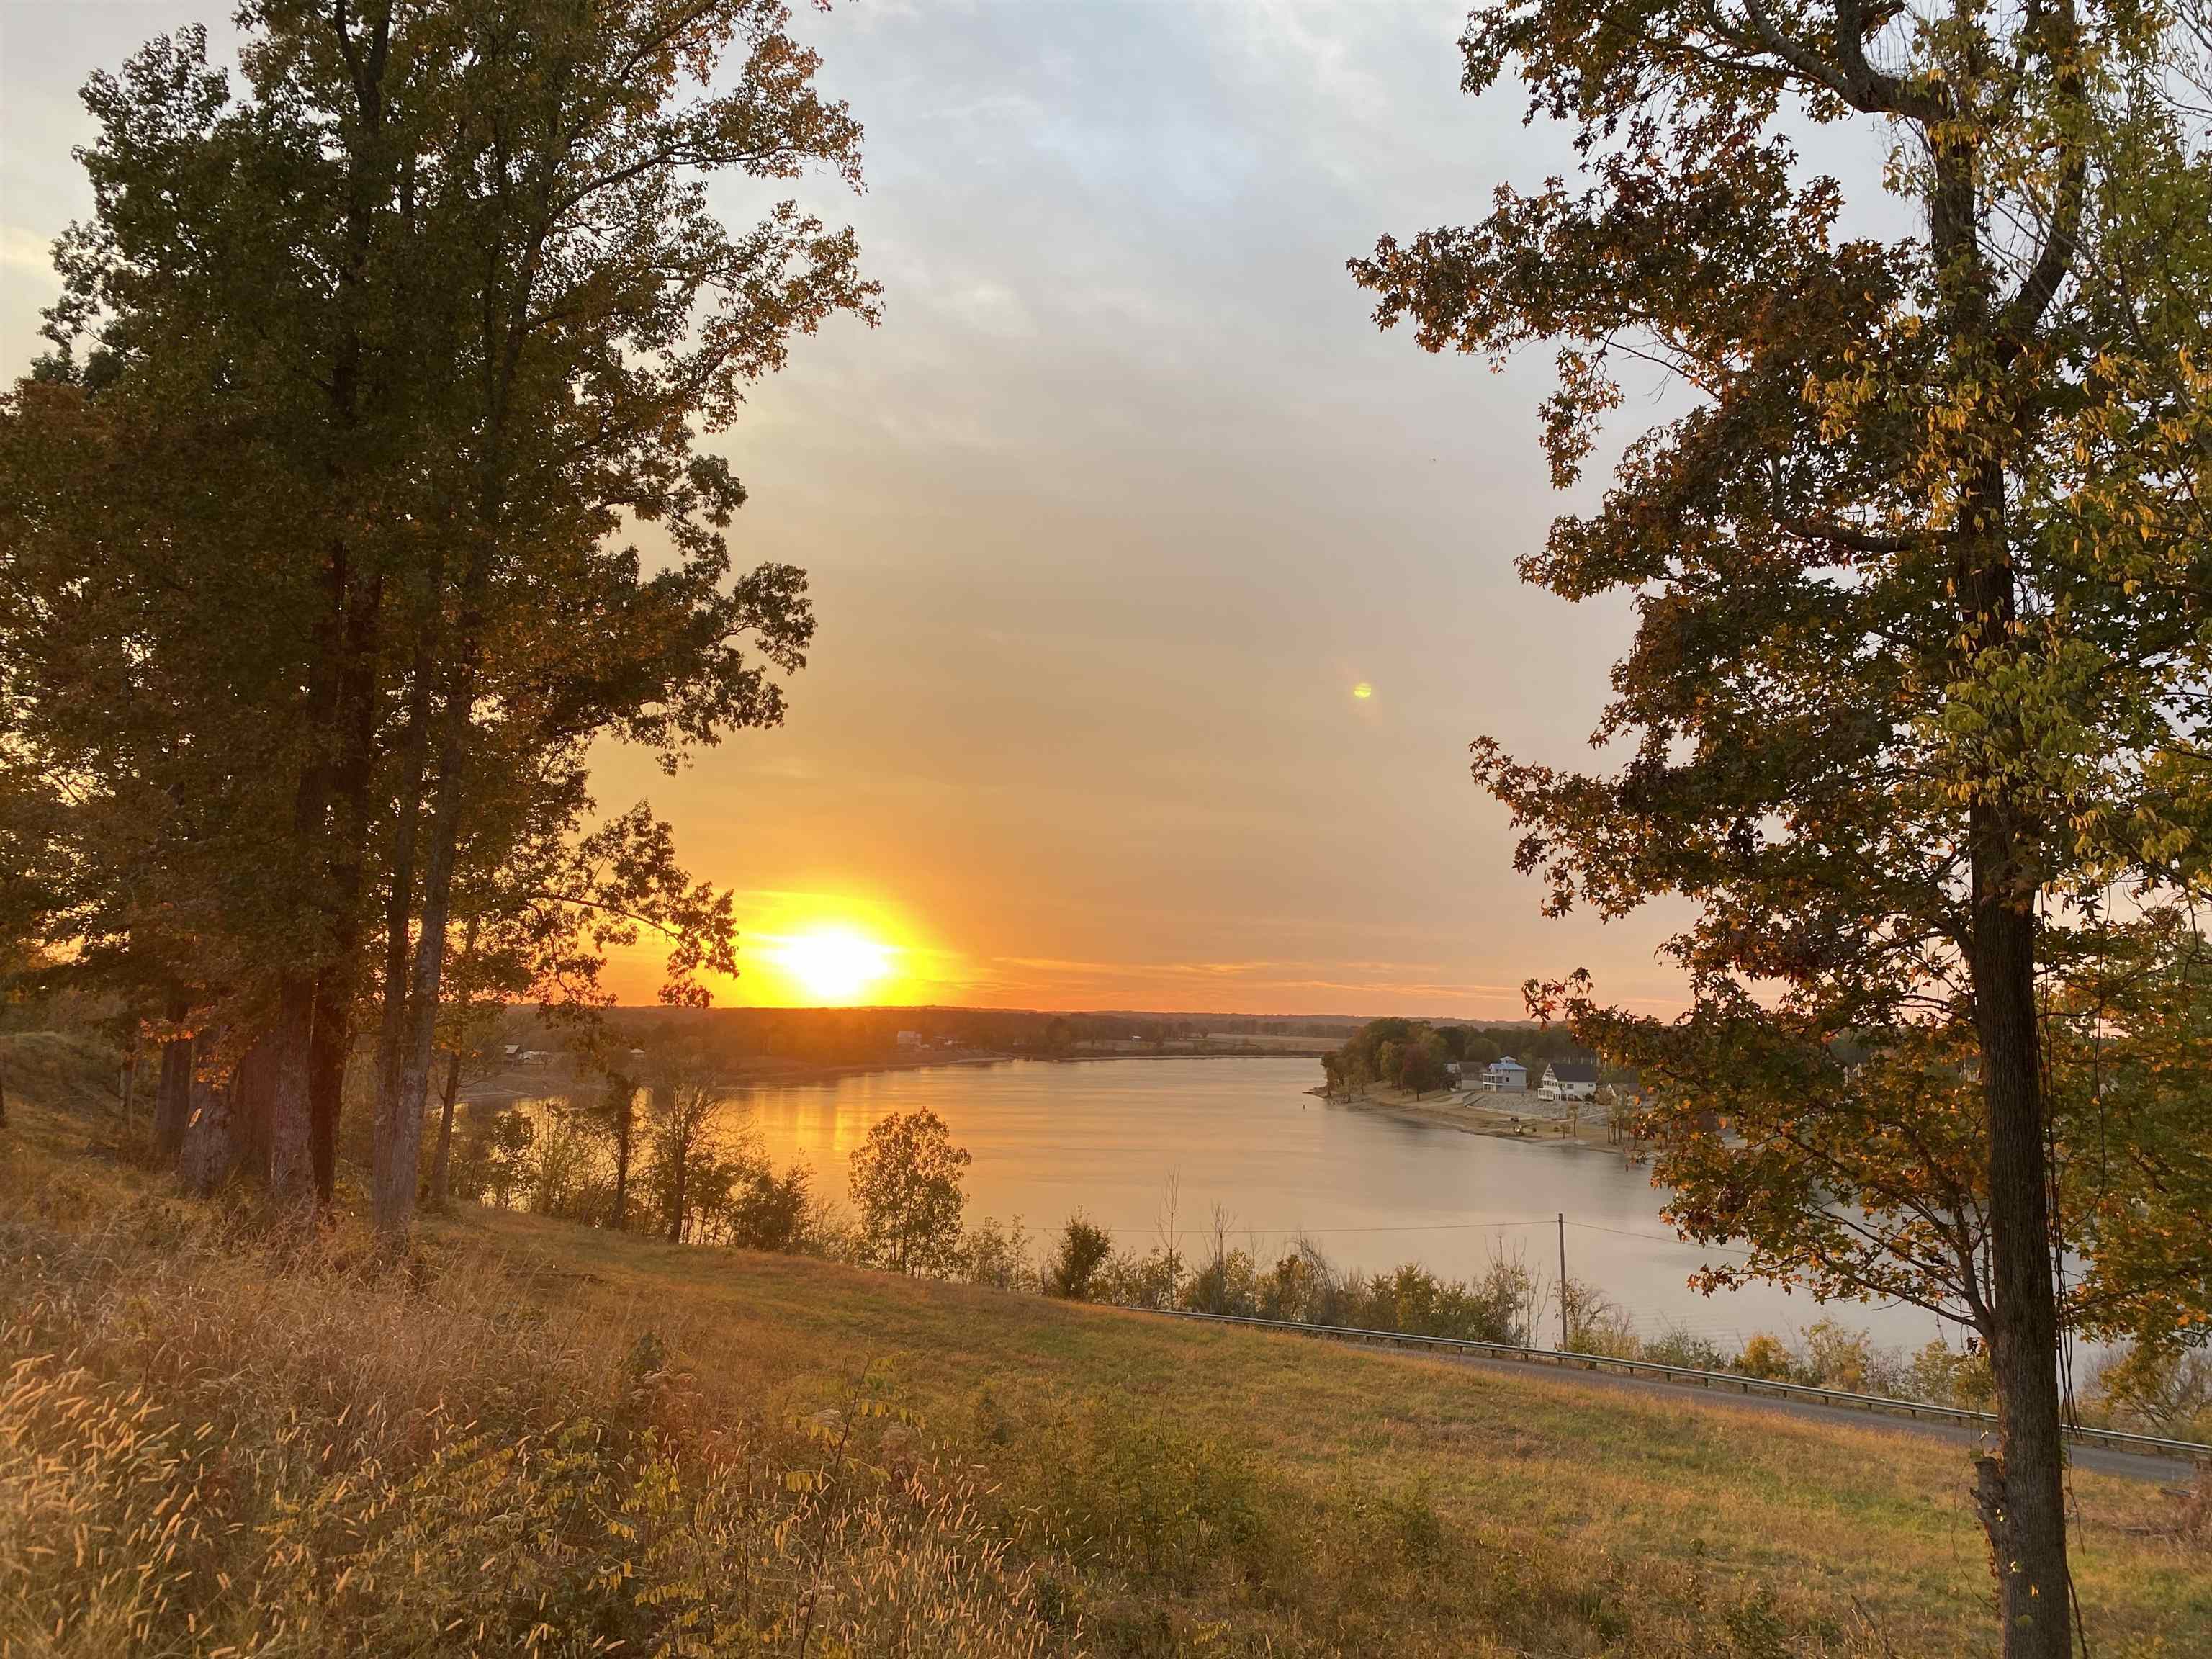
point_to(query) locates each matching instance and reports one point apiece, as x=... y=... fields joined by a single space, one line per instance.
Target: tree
x=1420 y=1063
x=767 y=1211
x=682 y=1123
x=1916 y=576
x=614 y=316
x=615 y=1120
x=906 y=1184
x=1083 y=1250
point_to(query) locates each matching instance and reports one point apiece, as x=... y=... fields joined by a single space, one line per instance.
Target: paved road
x=2104 y=1460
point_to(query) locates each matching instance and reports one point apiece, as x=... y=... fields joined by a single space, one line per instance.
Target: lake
x=1370 y=1189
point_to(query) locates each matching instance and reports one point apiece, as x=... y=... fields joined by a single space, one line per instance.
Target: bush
x=1763 y=1356
x=771 y=1211
x=1085 y=1250
x=997 y=1257
x=2159 y=1390
x=1676 y=1346
x=1129 y=1486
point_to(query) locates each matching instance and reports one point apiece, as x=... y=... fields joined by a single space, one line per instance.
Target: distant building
x=1570 y=1080
x=1507 y=1076
x=910 y=1039
x=535 y=1056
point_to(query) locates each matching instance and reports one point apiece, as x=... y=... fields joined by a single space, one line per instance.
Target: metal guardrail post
x=2115 y=1439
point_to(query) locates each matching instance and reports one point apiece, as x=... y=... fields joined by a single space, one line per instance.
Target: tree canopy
x=365 y=489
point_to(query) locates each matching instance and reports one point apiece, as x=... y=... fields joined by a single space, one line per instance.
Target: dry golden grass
x=531 y=1438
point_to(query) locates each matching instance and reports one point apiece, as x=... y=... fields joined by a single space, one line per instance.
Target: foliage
x=444 y=372
x=1919 y=656
x=1401 y=1052
x=1085 y=1248
x=997 y=1256
x=772 y=1211
x=2162 y=1390
x=906 y=1186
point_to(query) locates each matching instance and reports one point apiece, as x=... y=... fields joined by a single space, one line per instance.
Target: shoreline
x=504 y=1088
x=1456 y=1110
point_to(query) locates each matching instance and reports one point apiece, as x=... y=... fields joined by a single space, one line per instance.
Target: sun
x=1363 y=690
x=834 y=964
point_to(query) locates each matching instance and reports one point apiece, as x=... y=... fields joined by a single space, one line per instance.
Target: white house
x=1569 y=1079
x=910 y=1039
x=1506 y=1076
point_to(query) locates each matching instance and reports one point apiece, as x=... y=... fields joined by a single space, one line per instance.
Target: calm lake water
x=1371 y=1189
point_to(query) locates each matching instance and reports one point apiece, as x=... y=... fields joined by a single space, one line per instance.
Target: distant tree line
x=1412 y=1055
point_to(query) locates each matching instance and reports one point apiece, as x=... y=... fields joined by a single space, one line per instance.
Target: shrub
x=771 y=1211
x=1834 y=1358
x=1763 y=1356
x=1676 y=1346
x=1085 y=1250
x=997 y=1257
x=2160 y=1391
x=1128 y=1486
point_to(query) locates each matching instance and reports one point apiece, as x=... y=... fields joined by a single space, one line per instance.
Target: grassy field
x=534 y=1437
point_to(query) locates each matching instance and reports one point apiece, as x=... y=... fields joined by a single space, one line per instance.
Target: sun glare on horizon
x=834 y=963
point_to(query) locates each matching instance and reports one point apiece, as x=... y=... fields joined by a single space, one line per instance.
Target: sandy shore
x=1508 y=1117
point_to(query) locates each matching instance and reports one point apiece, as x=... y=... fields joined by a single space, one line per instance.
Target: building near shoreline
x=1570 y=1080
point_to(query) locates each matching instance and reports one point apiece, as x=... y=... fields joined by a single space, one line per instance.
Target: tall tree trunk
x=442 y=1166
x=338 y=983
x=172 y=1093
x=291 y=1113
x=2023 y=1499
x=622 y=1103
x=399 y=900
x=2020 y=1497
x=400 y=1132
x=683 y=1171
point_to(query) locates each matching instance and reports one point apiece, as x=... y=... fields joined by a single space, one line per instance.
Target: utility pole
x=1567 y=1332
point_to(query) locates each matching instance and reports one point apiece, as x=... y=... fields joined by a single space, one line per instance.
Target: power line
x=1201 y=1228
x=1204 y=1227
x=1658 y=1238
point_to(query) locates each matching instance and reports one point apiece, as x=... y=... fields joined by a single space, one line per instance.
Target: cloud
x=25 y=249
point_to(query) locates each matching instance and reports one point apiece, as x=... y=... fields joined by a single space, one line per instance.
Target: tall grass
x=212 y=1441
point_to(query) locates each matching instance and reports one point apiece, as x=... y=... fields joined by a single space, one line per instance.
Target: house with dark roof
x=1569 y=1079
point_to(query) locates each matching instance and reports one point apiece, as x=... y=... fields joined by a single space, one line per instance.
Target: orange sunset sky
x=1107 y=523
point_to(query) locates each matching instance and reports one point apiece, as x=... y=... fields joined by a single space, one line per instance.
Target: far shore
x=1507 y=1118
x=514 y=1083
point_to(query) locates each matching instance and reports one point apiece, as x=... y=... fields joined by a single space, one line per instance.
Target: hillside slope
x=532 y=1437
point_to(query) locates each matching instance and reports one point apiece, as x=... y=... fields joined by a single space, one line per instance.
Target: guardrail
x=2115 y=1439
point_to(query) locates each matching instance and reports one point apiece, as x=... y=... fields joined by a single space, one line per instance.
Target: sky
x=1107 y=523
